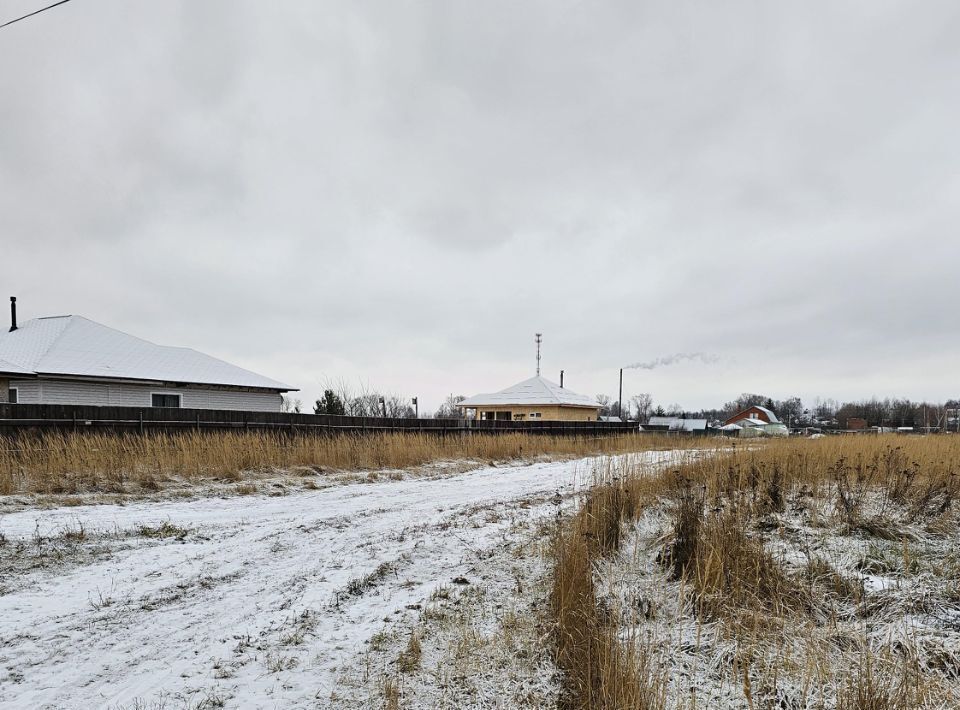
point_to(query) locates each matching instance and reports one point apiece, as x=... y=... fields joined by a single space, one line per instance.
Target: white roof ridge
x=74 y=318
x=534 y=391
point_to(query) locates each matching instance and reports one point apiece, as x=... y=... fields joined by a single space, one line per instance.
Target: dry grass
x=80 y=463
x=599 y=671
x=409 y=659
x=732 y=577
x=788 y=574
x=882 y=684
x=391 y=694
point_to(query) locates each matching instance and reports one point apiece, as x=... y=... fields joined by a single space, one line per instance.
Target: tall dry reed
x=724 y=570
x=599 y=671
x=77 y=463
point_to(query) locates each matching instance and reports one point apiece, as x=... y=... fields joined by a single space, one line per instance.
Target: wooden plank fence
x=15 y=418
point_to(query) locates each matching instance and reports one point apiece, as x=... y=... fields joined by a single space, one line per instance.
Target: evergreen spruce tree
x=329 y=404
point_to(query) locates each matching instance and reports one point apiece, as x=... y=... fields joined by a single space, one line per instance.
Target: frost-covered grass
x=477 y=641
x=801 y=574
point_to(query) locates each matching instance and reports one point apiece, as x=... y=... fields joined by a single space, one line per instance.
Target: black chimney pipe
x=13 y=313
x=620 y=400
x=561 y=378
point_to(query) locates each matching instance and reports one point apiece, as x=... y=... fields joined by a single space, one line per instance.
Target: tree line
x=825 y=413
x=340 y=398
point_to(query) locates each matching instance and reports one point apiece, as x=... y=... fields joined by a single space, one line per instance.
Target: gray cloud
x=404 y=192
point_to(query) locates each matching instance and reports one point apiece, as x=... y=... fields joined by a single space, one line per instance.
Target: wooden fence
x=15 y=418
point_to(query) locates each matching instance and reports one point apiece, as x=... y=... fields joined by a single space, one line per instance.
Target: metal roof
x=678 y=423
x=74 y=345
x=535 y=391
x=770 y=415
x=8 y=368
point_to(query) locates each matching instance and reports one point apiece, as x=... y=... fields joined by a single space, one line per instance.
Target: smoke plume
x=705 y=358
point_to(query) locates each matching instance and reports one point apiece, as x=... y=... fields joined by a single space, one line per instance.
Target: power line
x=35 y=12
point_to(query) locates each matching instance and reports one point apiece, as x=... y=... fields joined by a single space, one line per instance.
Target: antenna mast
x=539 y=339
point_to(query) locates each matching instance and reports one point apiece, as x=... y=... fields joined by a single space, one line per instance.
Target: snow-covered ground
x=253 y=602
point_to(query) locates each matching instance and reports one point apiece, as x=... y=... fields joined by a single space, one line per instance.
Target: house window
x=534 y=415
x=165 y=400
x=13 y=396
x=504 y=416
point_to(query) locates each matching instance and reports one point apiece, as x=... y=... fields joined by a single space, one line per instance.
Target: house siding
x=547 y=412
x=28 y=391
x=41 y=391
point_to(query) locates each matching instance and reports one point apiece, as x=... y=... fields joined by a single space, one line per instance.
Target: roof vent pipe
x=561 y=379
x=13 y=313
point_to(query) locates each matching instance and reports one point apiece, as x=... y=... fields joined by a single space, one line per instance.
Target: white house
x=73 y=360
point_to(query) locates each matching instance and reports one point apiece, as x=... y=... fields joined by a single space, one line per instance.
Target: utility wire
x=31 y=14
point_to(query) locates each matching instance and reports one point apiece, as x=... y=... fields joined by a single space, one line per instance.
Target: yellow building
x=536 y=399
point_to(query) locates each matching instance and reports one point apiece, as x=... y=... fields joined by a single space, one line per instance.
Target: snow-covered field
x=255 y=601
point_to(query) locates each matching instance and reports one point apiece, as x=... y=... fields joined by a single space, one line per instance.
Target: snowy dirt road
x=254 y=602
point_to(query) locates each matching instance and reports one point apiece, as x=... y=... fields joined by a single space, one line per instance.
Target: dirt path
x=248 y=601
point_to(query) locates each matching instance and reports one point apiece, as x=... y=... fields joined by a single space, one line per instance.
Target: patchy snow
x=896 y=599
x=254 y=602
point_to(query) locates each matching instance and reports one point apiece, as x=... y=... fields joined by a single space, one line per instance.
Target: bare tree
x=790 y=410
x=643 y=403
x=604 y=402
x=366 y=401
x=744 y=401
x=366 y=404
x=398 y=407
x=288 y=404
x=449 y=409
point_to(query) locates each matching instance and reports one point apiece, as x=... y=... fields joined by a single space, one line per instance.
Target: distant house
x=756 y=412
x=856 y=423
x=73 y=360
x=753 y=427
x=952 y=415
x=677 y=424
x=536 y=399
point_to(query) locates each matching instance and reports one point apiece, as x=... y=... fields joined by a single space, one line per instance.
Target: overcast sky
x=401 y=194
